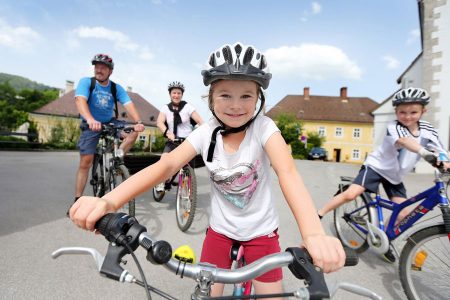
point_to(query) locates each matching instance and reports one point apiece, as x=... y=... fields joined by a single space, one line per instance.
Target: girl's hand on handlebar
x=326 y=251
x=171 y=136
x=88 y=210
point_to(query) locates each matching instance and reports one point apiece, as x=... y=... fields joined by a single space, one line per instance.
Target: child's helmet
x=237 y=62
x=175 y=85
x=103 y=59
x=411 y=95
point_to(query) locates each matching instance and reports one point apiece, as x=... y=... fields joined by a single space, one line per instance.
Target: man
x=96 y=105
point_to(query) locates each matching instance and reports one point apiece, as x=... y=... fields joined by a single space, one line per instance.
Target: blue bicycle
x=424 y=264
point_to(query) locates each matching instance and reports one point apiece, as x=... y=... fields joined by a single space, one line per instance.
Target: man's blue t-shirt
x=101 y=100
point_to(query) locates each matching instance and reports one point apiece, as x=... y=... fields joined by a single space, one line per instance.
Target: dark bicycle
x=108 y=168
x=186 y=193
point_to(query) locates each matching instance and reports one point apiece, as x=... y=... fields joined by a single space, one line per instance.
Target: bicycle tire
x=348 y=233
x=430 y=280
x=158 y=195
x=186 y=201
x=121 y=172
x=97 y=176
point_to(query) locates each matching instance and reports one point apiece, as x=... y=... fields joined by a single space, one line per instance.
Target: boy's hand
x=428 y=156
x=326 y=251
x=88 y=210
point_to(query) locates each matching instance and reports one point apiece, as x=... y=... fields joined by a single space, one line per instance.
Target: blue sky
x=363 y=45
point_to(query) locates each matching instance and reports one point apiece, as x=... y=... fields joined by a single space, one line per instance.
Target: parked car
x=318 y=153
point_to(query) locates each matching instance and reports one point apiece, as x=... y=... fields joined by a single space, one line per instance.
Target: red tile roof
x=326 y=108
x=65 y=106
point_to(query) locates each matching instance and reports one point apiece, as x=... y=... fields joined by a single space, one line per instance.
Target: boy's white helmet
x=237 y=62
x=411 y=95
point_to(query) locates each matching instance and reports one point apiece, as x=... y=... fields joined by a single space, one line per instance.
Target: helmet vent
x=248 y=56
x=227 y=56
x=212 y=60
x=263 y=63
x=238 y=49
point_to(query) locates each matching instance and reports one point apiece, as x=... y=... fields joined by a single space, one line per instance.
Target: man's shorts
x=370 y=180
x=89 y=139
x=216 y=250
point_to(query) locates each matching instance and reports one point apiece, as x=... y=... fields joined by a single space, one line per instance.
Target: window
x=355 y=154
x=356 y=133
x=142 y=138
x=321 y=131
x=339 y=132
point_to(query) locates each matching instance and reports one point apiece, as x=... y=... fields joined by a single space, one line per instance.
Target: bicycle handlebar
x=126 y=234
x=107 y=127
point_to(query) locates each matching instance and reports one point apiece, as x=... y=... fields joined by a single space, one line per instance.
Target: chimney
x=306 y=93
x=129 y=89
x=69 y=86
x=344 y=94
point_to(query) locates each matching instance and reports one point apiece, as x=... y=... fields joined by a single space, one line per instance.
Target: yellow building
x=63 y=111
x=345 y=122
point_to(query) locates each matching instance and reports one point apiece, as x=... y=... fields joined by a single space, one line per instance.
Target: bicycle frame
x=430 y=198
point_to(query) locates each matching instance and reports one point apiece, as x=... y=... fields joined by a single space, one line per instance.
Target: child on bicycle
x=239 y=145
x=174 y=121
x=407 y=140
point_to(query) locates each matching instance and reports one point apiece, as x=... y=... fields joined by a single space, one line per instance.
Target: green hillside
x=20 y=83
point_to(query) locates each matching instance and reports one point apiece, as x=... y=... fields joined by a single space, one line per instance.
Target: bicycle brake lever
x=302 y=268
x=80 y=250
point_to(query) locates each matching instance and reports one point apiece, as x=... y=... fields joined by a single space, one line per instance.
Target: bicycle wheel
x=158 y=195
x=186 y=198
x=425 y=264
x=97 y=177
x=346 y=222
x=119 y=175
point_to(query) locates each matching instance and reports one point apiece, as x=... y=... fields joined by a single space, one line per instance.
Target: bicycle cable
x=144 y=280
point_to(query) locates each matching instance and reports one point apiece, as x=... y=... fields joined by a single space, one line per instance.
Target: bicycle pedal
x=359 y=220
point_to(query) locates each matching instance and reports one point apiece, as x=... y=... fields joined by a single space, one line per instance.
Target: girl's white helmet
x=237 y=62
x=411 y=95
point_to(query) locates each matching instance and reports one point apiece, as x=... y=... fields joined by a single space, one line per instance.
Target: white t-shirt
x=393 y=162
x=185 y=128
x=242 y=205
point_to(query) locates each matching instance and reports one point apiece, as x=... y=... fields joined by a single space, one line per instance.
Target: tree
x=289 y=126
x=315 y=139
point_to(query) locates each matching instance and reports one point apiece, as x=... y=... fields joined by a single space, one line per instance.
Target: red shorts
x=216 y=251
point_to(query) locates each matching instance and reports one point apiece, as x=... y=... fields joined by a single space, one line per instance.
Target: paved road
x=36 y=189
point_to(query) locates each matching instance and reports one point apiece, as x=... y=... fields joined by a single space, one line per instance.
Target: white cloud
x=21 y=38
x=312 y=61
x=413 y=36
x=391 y=62
x=315 y=8
x=120 y=40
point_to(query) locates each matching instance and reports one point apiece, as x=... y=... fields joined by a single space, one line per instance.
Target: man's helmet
x=411 y=95
x=237 y=62
x=176 y=85
x=103 y=59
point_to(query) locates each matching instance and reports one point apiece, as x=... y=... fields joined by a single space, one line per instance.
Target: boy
x=405 y=142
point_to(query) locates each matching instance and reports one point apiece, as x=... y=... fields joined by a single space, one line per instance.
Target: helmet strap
x=225 y=130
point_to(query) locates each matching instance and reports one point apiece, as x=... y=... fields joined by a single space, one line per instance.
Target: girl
x=240 y=146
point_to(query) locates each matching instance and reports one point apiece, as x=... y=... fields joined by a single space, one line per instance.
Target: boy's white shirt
x=185 y=128
x=393 y=162
x=242 y=205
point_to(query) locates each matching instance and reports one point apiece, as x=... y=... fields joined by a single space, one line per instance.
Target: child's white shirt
x=393 y=162
x=242 y=205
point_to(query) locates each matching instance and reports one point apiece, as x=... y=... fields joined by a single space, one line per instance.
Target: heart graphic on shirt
x=238 y=183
